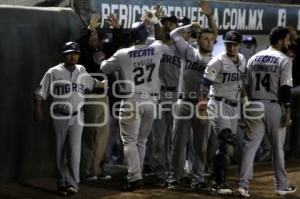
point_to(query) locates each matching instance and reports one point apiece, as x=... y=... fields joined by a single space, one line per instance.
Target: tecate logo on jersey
x=142 y=53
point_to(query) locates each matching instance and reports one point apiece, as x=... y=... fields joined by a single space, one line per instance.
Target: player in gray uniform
x=139 y=66
x=193 y=64
x=66 y=84
x=169 y=71
x=269 y=80
x=224 y=75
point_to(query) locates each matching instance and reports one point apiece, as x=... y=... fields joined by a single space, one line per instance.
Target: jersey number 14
x=264 y=81
x=139 y=77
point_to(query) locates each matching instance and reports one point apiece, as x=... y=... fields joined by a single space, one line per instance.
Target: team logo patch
x=73 y=46
x=99 y=56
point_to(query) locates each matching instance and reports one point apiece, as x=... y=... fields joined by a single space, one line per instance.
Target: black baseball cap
x=172 y=19
x=233 y=37
x=249 y=40
x=184 y=21
x=70 y=47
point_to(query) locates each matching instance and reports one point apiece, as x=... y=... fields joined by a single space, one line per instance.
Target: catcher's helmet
x=70 y=47
x=138 y=33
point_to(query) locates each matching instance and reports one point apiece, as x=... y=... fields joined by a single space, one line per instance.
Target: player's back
x=267 y=71
x=169 y=69
x=139 y=65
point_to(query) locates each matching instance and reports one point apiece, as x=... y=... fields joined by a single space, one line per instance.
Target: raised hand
x=205 y=7
x=196 y=26
x=158 y=12
x=95 y=21
x=113 y=21
x=153 y=15
x=104 y=84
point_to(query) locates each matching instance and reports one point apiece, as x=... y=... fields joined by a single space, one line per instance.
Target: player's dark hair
x=204 y=30
x=138 y=33
x=277 y=33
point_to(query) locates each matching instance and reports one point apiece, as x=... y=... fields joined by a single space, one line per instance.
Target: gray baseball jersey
x=65 y=86
x=66 y=89
x=267 y=71
x=192 y=66
x=226 y=76
x=169 y=69
x=138 y=64
x=191 y=73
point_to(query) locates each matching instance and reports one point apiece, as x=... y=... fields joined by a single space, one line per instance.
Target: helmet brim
x=233 y=42
x=69 y=51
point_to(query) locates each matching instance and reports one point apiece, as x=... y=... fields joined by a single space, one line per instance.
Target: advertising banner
x=250 y=18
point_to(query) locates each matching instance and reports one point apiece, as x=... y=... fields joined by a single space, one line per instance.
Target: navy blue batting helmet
x=172 y=19
x=70 y=47
x=138 y=33
x=233 y=37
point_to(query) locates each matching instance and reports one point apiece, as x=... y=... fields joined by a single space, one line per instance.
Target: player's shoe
x=62 y=191
x=104 y=177
x=160 y=182
x=200 y=187
x=72 y=190
x=222 y=189
x=288 y=190
x=172 y=185
x=91 y=178
x=185 y=181
x=243 y=192
x=131 y=186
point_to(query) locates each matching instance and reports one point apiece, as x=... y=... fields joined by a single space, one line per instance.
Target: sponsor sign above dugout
x=250 y=18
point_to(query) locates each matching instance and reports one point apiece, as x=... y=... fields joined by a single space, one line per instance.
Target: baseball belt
x=232 y=103
x=166 y=88
x=272 y=101
x=65 y=113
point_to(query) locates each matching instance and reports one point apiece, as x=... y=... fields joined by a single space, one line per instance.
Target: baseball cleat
x=243 y=192
x=200 y=187
x=288 y=190
x=173 y=185
x=131 y=186
x=91 y=178
x=72 y=190
x=104 y=177
x=222 y=189
x=62 y=191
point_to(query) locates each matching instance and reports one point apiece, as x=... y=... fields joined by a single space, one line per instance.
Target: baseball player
x=169 y=71
x=269 y=80
x=138 y=66
x=224 y=75
x=66 y=84
x=193 y=64
x=94 y=49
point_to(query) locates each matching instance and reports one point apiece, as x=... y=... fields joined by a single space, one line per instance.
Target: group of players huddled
x=172 y=87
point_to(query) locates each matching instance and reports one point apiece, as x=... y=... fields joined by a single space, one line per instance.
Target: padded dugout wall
x=31 y=41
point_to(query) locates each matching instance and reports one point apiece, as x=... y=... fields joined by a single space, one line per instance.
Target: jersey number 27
x=139 y=74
